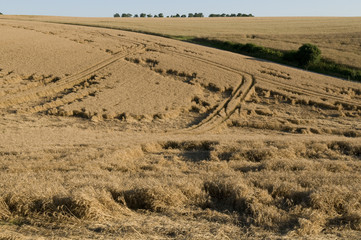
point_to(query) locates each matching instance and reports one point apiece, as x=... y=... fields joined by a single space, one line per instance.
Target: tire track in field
x=300 y=90
x=225 y=110
x=310 y=92
x=65 y=83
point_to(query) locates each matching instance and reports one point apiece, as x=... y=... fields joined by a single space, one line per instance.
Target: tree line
x=190 y=15
x=231 y=15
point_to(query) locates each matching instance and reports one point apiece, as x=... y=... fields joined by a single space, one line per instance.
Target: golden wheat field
x=108 y=134
x=339 y=38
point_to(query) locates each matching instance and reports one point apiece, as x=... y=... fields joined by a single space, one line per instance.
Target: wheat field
x=339 y=38
x=110 y=134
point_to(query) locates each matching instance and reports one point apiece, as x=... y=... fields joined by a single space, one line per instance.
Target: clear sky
x=106 y=8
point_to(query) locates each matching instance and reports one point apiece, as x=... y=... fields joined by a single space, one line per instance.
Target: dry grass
x=151 y=138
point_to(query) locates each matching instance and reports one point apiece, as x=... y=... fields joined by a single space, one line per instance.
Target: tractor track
x=243 y=91
x=300 y=90
x=65 y=83
x=309 y=92
x=224 y=110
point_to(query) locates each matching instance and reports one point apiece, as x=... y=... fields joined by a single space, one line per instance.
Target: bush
x=290 y=56
x=308 y=54
x=143 y=15
x=116 y=15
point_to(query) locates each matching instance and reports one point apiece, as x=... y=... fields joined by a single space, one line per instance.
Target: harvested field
x=337 y=37
x=107 y=134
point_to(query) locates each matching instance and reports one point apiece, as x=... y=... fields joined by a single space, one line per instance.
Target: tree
x=308 y=54
x=156 y=16
x=126 y=15
x=161 y=15
x=190 y=15
x=116 y=15
x=143 y=15
x=149 y=15
x=183 y=16
x=136 y=15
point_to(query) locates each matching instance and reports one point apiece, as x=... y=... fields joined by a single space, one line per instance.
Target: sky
x=106 y=8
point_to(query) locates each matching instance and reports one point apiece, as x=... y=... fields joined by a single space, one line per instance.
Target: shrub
x=116 y=15
x=161 y=15
x=290 y=56
x=308 y=54
x=143 y=15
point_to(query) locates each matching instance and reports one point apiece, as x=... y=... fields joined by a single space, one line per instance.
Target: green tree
x=136 y=15
x=143 y=15
x=126 y=15
x=149 y=15
x=198 y=15
x=161 y=15
x=184 y=16
x=190 y=15
x=116 y=15
x=308 y=54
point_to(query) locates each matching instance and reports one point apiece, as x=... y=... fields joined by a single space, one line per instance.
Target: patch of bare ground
x=129 y=136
